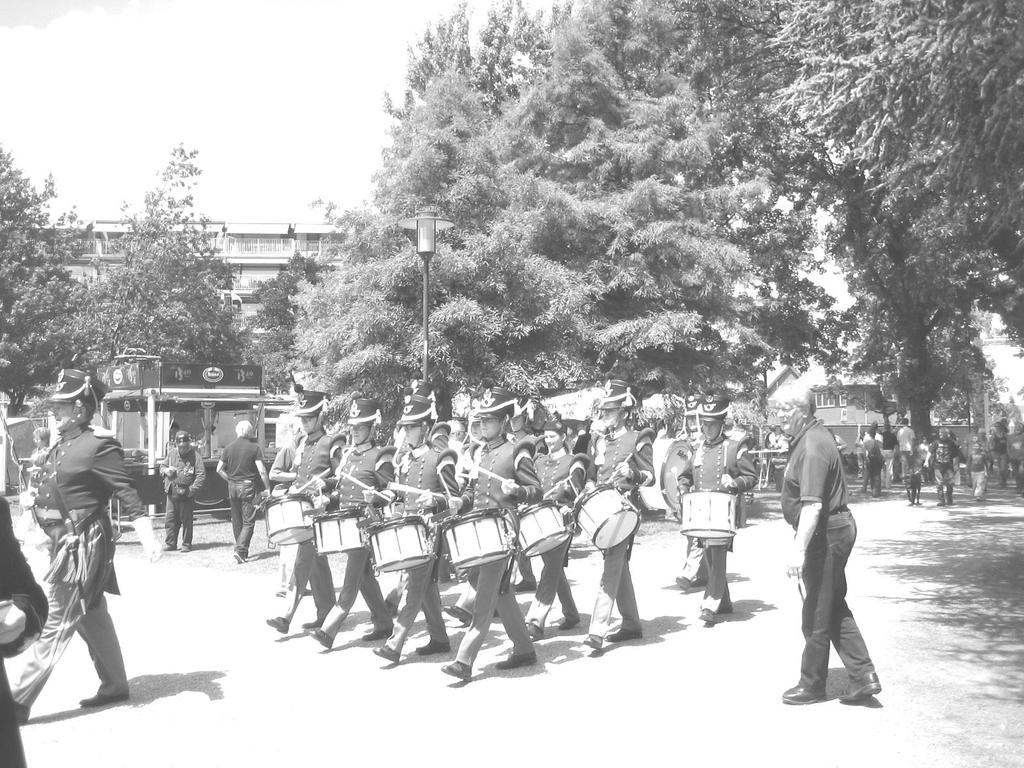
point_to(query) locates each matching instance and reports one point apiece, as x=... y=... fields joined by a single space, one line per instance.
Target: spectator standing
x=859 y=451
x=978 y=460
x=241 y=465
x=945 y=457
x=779 y=443
x=1015 y=455
x=1000 y=458
x=184 y=477
x=924 y=451
x=888 y=455
x=906 y=443
x=873 y=460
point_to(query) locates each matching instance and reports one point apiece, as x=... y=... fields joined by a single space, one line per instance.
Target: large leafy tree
x=607 y=222
x=273 y=344
x=166 y=297
x=37 y=293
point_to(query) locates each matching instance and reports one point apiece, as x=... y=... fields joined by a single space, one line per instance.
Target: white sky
x=282 y=98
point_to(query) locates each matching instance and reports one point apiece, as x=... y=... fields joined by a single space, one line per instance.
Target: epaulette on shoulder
x=645 y=437
x=524 y=449
x=386 y=456
x=439 y=434
x=448 y=457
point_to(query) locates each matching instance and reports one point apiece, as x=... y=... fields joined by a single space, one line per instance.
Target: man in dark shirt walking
x=814 y=502
x=241 y=465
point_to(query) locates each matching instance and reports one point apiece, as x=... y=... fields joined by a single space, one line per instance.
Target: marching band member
x=304 y=466
x=363 y=473
x=424 y=462
x=725 y=466
x=81 y=473
x=553 y=471
x=622 y=457
x=695 y=565
x=496 y=457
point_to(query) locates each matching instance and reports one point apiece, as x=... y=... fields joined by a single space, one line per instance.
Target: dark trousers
x=178 y=514
x=242 y=497
x=873 y=477
x=827 y=619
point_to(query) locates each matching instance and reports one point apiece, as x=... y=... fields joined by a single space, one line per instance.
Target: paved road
x=939 y=595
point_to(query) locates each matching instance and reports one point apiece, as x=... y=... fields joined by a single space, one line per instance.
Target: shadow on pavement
x=745 y=610
x=968 y=574
x=148 y=688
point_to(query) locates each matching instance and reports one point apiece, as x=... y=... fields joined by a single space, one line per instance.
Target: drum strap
x=506 y=577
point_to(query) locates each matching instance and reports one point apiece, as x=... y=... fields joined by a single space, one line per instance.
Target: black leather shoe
x=516 y=660
x=459 y=670
x=862 y=689
x=280 y=623
x=526 y=586
x=623 y=635
x=377 y=634
x=101 y=700
x=595 y=644
x=534 y=630
x=433 y=647
x=323 y=638
x=464 y=617
x=315 y=624
x=800 y=695
x=388 y=654
x=21 y=713
x=708 y=617
x=567 y=624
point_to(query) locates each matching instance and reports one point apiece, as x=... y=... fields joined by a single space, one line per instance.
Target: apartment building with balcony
x=255 y=251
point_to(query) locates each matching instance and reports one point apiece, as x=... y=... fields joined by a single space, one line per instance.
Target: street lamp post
x=424 y=227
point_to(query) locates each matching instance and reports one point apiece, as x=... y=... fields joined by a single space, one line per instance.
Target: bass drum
x=677 y=458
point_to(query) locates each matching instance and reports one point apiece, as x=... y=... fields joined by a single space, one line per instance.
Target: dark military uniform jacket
x=424 y=468
x=370 y=464
x=711 y=461
x=635 y=449
x=82 y=472
x=311 y=456
x=502 y=458
x=553 y=472
x=191 y=475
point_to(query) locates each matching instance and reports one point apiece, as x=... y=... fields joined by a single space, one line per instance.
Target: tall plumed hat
x=363 y=410
x=495 y=401
x=618 y=394
x=714 y=407
x=309 y=402
x=75 y=386
x=417 y=408
x=691 y=405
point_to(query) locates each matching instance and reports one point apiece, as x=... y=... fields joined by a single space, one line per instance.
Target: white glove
x=27 y=499
x=12 y=623
x=150 y=546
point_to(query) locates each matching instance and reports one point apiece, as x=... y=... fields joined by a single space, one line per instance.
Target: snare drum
x=477 y=538
x=289 y=518
x=709 y=515
x=541 y=528
x=400 y=544
x=606 y=517
x=338 y=531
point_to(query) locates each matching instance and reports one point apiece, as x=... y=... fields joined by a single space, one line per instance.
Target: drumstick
x=489 y=473
x=364 y=486
x=312 y=480
x=411 y=489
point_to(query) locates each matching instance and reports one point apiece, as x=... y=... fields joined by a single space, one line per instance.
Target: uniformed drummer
x=307 y=466
x=363 y=473
x=622 y=457
x=724 y=466
x=497 y=457
x=424 y=462
x=695 y=567
x=553 y=471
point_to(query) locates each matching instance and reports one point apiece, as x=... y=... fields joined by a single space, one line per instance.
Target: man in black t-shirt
x=814 y=502
x=241 y=465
